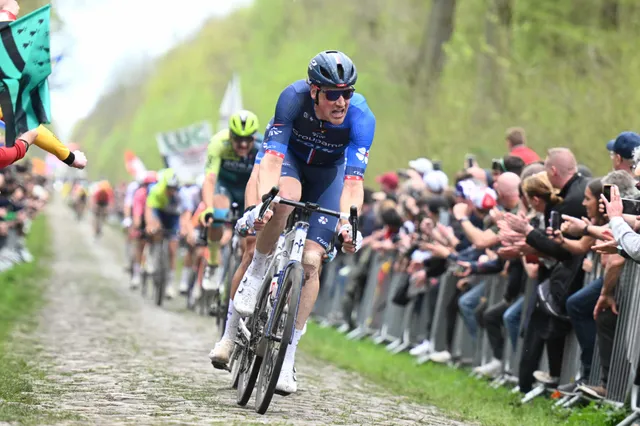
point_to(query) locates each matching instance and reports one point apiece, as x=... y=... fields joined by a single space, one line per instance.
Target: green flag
x=25 y=64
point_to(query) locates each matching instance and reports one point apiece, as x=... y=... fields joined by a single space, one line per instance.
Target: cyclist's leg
x=291 y=188
x=171 y=224
x=323 y=185
x=221 y=204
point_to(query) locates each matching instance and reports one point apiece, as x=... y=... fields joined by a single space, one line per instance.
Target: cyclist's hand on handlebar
x=206 y=217
x=348 y=245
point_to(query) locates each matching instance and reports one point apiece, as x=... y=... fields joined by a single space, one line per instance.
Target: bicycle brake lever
x=266 y=201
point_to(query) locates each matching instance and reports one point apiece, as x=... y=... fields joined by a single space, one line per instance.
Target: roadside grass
x=21 y=295
x=452 y=391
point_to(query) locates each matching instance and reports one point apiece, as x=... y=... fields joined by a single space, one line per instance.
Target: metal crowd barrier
x=400 y=327
x=10 y=250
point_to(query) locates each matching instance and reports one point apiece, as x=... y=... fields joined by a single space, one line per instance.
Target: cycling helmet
x=150 y=177
x=243 y=123
x=332 y=68
x=171 y=179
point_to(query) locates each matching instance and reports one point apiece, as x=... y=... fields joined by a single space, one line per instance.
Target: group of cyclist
x=315 y=149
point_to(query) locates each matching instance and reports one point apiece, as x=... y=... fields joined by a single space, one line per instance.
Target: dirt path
x=113 y=358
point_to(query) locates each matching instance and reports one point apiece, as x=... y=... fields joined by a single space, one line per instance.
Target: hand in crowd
x=464 y=270
x=461 y=210
x=518 y=223
x=606 y=247
x=587 y=265
x=613 y=208
x=605 y=302
x=574 y=226
x=438 y=250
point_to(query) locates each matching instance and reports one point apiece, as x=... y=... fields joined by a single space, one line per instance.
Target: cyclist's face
x=171 y=191
x=332 y=103
x=242 y=145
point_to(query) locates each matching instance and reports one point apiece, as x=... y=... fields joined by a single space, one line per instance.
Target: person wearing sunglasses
x=320 y=139
x=230 y=157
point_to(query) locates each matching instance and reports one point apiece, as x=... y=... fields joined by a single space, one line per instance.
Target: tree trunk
x=491 y=89
x=431 y=57
x=609 y=14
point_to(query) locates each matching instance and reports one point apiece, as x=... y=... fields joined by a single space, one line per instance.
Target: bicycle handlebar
x=234 y=218
x=272 y=197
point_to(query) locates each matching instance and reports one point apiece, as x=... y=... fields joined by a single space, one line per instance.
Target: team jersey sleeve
x=139 y=202
x=214 y=152
x=287 y=110
x=155 y=199
x=360 y=141
x=263 y=145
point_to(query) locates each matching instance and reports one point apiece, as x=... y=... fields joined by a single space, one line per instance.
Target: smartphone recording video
x=554 y=221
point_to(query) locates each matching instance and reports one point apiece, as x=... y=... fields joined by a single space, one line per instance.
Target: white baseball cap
x=421 y=165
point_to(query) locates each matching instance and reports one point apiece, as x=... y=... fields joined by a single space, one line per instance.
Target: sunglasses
x=334 y=95
x=244 y=140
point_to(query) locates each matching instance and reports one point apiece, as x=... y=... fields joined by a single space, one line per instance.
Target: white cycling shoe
x=221 y=353
x=247 y=295
x=287 y=382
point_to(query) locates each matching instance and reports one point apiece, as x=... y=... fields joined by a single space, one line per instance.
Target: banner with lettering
x=185 y=150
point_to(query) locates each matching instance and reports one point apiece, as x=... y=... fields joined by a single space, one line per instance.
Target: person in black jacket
x=564 y=279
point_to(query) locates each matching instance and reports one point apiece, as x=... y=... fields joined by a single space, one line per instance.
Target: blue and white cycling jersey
x=297 y=129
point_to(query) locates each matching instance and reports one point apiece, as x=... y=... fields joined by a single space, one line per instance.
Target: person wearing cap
x=421 y=165
x=388 y=183
x=621 y=150
x=436 y=181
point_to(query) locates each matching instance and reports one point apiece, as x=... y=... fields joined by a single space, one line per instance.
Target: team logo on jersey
x=363 y=155
x=323 y=220
x=274 y=131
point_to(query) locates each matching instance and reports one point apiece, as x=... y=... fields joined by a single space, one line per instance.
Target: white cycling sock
x=136 y=269
x=172 y=277
x=290 y=356
x=258 y=266
x=185 y=275
x=233 y=319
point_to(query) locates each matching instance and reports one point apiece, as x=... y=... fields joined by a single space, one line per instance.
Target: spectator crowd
x=543 y=221
x=23 y=195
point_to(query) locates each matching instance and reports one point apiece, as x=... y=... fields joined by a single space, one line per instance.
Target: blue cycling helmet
x=332 y=68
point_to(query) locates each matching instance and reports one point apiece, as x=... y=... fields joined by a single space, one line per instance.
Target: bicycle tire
x=275 y=351
x=234 y=364
x=249 y=369
x=234 y=262
x=249 y=373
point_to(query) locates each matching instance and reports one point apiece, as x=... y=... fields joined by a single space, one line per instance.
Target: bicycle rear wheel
x=283 y=323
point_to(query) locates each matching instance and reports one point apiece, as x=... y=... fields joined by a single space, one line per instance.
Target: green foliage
x=565 y=79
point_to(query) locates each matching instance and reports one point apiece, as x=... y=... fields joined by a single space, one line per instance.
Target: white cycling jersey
x=128 y=195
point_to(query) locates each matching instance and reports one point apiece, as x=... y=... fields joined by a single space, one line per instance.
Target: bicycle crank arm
x=245 y=331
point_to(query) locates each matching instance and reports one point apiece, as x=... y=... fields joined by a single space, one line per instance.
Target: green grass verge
x=21 y=294
x=451 y=390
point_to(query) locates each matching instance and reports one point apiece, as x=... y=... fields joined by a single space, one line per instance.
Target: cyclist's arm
x=212 y=168
x=154 y=201
x=277 y=139
x=138 y=206
x=357 y=154
x=251 y=193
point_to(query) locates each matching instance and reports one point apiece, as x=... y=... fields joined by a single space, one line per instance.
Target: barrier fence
x=12 y=250
x=362 y=294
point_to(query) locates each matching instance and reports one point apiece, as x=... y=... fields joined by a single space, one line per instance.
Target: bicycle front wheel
x=160 y=276
x=283 y=320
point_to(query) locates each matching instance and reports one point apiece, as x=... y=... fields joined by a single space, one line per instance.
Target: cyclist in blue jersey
x=317 y=150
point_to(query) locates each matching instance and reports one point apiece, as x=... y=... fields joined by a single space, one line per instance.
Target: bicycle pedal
x=220 y=366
